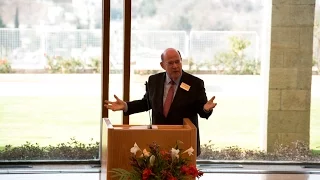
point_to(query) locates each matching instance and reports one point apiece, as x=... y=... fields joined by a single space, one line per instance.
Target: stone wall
x=290 y=73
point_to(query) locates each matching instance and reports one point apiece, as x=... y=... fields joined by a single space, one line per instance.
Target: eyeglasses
x=171 y=63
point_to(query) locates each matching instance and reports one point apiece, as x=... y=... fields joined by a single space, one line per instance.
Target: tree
x=235 y=61
x=2 y=25
x=147 y=8
x=197 y=15
x=16 y=18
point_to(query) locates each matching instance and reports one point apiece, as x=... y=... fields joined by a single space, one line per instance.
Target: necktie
x=169 y=98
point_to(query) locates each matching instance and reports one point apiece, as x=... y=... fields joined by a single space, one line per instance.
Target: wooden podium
x=117 y=141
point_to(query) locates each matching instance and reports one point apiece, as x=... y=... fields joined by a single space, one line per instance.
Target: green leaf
x=122 y=174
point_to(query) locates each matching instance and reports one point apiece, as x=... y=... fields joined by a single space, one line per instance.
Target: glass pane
x=50 y=81
x=315 y=88
x=116 y=57
x=220 y=42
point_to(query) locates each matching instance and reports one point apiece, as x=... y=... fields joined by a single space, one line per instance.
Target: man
x=173 y=95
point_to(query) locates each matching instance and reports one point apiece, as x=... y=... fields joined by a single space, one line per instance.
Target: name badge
x=184 y=86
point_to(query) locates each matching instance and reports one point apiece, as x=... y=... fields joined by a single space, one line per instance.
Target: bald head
x=171 y=62
x=170 y=52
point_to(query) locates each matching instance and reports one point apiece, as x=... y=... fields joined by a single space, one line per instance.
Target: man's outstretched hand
x=210 y=104
x=116 y=105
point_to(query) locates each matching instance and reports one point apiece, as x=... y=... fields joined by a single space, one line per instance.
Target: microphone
x=148 y=103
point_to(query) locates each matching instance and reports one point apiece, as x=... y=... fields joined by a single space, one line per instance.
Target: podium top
x=187 y=126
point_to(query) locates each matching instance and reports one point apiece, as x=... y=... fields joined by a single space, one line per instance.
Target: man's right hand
x=116 y=105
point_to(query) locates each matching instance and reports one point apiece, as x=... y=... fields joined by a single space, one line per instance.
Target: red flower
x=163 y=152
x=146 y=173
x=184 y=169
x=172 y=178
x=167 y=175
x=191 y=170
x=166 y=155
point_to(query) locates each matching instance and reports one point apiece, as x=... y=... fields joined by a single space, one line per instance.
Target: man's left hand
x=210 y=104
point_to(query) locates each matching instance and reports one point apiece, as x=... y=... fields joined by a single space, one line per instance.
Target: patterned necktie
x=169 y=98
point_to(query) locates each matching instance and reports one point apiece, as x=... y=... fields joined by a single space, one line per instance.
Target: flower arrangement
x=159 y=164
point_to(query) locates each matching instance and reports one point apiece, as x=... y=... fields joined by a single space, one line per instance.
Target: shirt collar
x=175 y=81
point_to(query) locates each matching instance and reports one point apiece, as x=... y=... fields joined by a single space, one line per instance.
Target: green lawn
x=315 y=123
x=48 y=120
x=51 y=120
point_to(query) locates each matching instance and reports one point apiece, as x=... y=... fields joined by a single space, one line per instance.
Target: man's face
x=172 y=64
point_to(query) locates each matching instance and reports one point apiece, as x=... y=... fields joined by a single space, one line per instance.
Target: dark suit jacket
x=186 y=104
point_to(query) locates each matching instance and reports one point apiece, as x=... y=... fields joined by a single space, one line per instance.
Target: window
x=220 y=42
x=116 y=57
x=50 y=79
x=315 y=96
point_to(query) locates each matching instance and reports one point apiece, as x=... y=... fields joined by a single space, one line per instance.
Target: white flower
x=146 y=153
x=175 y=153
x=152 y=159
x=135 y=149
x=189 y=151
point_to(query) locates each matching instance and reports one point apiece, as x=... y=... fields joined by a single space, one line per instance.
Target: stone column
x=290 y=71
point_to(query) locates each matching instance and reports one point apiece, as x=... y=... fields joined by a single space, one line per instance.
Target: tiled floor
x=212 y=172
x=208 y=176
x=60 y=176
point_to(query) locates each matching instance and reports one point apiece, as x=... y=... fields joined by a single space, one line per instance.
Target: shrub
x=59 y=64
x=95 y=65
x=73 y=150
x=5 y=66
x=297 y=151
